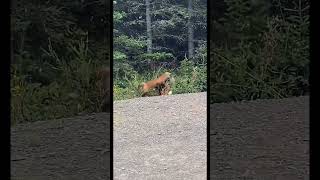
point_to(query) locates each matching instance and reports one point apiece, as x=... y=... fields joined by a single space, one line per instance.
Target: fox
x=104 y=87
x=165 y=89
x=161 y=85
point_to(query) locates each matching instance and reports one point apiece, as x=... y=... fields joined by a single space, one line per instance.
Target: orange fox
x=160 y=84
x=104 y=84
x=165 y=89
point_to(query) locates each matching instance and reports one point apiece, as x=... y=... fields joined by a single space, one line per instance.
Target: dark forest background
x=151 y=37
x=56 y=47
x=258 y=49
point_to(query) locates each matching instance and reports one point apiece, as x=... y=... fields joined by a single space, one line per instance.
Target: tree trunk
x=149 y=34
x=190 y=31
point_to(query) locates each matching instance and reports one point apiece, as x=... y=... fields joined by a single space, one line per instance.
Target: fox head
x=167 y=74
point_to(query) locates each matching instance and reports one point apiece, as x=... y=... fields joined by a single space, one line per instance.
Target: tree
x=190 y=30
x=149 y=30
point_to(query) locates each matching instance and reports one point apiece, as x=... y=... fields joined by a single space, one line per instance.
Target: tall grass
x=72 y=90
x=271 y=62
x=189 y=78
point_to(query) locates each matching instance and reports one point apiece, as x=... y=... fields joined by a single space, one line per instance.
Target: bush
x=267 y=62
x=189 y=78
x=72 y=91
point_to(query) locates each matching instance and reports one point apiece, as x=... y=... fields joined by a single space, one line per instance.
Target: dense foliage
x=259 y=49
x=133 y=64
x=56 y=47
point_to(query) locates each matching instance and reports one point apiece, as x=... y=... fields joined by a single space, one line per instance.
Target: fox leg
x=164 y=89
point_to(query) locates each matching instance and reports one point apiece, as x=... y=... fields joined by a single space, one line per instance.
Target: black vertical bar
x=111 y=93
x=208 y=88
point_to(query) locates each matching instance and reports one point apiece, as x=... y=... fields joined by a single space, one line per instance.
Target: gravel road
x=163 y=137
x=66 y=149
x=260 y=140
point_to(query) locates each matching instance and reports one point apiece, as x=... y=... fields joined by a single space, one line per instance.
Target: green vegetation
x=259 y=49
x=58 y=45
x=134 y=63
x=56 y=48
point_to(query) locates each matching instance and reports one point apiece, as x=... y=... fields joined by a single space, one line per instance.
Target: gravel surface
x=260 y=140
x=67 y=149
x=165 y=138
x=161 y=137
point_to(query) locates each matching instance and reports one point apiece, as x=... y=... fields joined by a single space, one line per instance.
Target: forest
x=259 y=49
x=57 y=46
x=151 y=37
